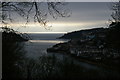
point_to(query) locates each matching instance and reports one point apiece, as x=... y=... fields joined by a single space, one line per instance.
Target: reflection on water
x=36 y=48
x=48 y=41
x=40 y=42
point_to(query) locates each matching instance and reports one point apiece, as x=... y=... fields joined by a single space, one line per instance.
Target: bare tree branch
x=116 y=12
x=24 y=9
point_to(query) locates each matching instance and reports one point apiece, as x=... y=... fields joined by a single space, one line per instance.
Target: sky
x=85 y=15
x=60 y=0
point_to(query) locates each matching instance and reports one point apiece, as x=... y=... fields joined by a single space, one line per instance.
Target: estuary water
x=39 y=43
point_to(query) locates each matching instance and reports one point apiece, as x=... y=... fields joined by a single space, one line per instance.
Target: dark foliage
x=10 y=35
x=113 y=33
x=12 y=54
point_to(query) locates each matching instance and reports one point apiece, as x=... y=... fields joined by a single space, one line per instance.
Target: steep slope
x=82 y=34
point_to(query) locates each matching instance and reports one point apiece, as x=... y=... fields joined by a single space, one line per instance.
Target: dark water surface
x=40 y=42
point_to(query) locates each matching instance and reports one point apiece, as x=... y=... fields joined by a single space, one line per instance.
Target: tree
x=113 y=32
x=116 y=11
x=13 y=52
x=29 y=10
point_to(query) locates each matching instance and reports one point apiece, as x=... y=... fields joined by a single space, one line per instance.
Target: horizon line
x=59 y=0
x=45 y=32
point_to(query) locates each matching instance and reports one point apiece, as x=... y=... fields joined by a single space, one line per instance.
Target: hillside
x=82 y=34
x=10 y=35
x=97 y=45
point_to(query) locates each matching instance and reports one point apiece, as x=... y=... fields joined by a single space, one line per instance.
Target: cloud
x=84 y=15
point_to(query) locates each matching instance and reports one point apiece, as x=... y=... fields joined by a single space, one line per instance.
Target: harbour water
x=39 y=43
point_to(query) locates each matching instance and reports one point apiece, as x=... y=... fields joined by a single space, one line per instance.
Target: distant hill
x=97 y=44
x=13 y=37
x=108 y=35
x=10 y=35
x=83 y=33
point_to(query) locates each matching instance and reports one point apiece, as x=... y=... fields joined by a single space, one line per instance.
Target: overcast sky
x=84 y=15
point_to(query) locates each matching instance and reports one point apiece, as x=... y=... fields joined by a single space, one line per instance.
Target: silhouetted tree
x=29 y=10
x=12 y=56
x=112 y=36
x=116 y=11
